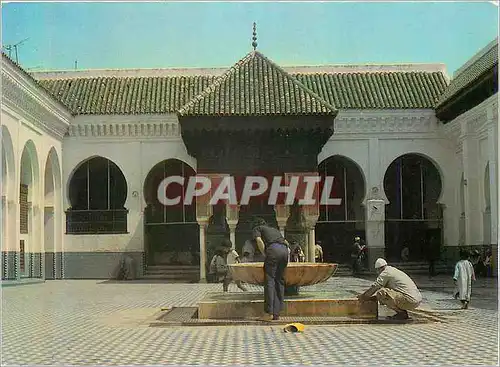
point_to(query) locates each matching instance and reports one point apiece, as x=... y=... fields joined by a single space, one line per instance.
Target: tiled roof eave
x=172 y=93
x=459 y=93
x=194 y=114
x=469 y=76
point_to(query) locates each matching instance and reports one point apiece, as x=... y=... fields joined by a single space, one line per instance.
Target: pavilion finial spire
x=254 y=38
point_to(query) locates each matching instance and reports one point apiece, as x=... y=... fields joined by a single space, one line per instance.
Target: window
x=97 y=193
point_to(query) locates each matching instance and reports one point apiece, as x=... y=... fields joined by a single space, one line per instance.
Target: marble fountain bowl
x=296 y=274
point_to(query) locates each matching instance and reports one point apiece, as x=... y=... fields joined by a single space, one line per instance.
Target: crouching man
x=395 y=289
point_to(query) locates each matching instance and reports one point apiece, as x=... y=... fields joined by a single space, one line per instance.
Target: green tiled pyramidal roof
x=256 y=86
x=470 y=74
x=297 y=92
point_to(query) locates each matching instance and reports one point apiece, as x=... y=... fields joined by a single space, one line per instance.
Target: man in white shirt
x=395 y=289
x=232 y=257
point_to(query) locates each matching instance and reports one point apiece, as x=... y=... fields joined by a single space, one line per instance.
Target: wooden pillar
x=203 y=214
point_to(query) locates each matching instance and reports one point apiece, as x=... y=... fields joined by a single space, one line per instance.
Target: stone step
x=173 y=267
x=168 y=276
x=180 y=273
x=172 y=271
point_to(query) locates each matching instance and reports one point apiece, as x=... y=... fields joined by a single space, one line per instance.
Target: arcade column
x=375 y=230
x=232 y=217
x=203 y=214
x=282 y=214
x=311 y=237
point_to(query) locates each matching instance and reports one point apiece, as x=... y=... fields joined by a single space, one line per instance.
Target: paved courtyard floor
x=89 y=322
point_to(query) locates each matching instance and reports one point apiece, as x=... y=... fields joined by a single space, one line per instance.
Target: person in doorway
x=297 y=254
x=275 y=249
x=318 y=252
x=357 y=255
x=477 y=263
x=405 y=254
x=232 y=257
x=463 y=277
x=487 y=264
x=395 y=289
x=218 y=266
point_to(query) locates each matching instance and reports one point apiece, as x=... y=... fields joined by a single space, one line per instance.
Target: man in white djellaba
x=463 y=277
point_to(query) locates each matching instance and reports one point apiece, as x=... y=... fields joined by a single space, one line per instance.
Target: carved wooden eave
x=195 y=130
x=480 y=90
x=25 y=97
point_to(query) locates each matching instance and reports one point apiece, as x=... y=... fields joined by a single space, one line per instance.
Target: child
x=232 y=257
x=463 y=277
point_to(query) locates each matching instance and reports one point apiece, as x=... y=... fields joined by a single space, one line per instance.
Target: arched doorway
x=29 y=241
x=257 y=207
x=8 y=222
x=413 y=185
x=97 y=194
x=171 y=233
x=52 y=216
x=487 y=207
x=339 y=224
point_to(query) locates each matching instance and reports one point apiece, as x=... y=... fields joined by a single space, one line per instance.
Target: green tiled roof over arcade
x=254 y=85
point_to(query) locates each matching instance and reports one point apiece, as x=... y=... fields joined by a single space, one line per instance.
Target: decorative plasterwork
x=398 y=122
x=479 y=118
x=134 y=130
x=453 y=132
x=474 y=123
x=28 y=102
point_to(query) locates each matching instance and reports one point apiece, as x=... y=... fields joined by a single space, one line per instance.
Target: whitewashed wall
x=374 y=139
x=135 y=144
x=32 y=120
x=475 y=138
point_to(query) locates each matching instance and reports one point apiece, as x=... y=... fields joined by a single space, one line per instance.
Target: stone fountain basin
x=296 y=274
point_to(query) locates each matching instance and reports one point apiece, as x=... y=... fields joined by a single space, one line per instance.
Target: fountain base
x=250 y=305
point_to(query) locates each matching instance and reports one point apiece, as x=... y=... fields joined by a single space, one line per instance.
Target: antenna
x=14 y=47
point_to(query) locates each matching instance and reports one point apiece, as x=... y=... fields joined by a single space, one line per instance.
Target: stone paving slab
x=85 y=322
